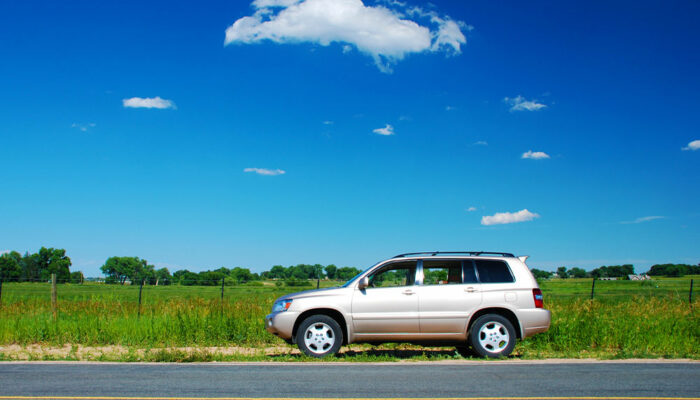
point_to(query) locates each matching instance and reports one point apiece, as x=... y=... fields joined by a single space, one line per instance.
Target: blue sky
x=371 y=135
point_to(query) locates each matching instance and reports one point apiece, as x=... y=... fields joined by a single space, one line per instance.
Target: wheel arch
x=504 y=312
x=330 y=312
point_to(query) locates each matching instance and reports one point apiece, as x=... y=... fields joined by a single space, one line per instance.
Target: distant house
x=608 y=278
x=640 y=277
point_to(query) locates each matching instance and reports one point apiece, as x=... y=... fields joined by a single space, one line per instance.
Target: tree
x=674 y=270
x=562 y=273
x=347 y=273
x=613 y=271
x=53 y=261
x=577 y=272
x=163 y=276
x=189 y=278
x=10 y=266
x=331 y=270
x=76 y=277
x=241 y=275
x=143 y=272
x=179 y=274
x=119 y=269
x=278 y=272
x=30 y=267
x=539 y=274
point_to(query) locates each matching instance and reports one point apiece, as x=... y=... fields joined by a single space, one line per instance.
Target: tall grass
x=633 y=325
x=636 y=326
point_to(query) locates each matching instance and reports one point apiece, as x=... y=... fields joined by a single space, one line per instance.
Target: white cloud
x=148 y=102
x=519 y=103
x=382 y=32
x=4 y=252
x=481 y=143
x=386 y=131
x=265 y=171
x=694 y=145
x=83 y=127
x=535 y=155
x=450 y=108
x=471 y=209
x=643 y=219
x=327 y=122
x=508 y=218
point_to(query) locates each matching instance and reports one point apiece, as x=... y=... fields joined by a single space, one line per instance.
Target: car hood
x=314 y=293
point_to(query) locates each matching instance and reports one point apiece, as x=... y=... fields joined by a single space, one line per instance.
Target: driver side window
x=394 y=275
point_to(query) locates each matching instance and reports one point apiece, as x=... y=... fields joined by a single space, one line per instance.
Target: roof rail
x=471 y=253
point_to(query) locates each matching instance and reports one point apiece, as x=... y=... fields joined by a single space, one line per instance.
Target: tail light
x=539 y=300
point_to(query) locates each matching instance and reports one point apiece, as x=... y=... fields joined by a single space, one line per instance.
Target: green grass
x=626 y=319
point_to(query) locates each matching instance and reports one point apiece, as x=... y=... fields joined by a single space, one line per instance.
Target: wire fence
x=591 y=288
x=15 y=290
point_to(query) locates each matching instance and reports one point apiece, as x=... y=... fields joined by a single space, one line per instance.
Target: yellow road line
x=343 y=398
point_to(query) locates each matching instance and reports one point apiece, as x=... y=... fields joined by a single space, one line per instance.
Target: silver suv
x=480 y=302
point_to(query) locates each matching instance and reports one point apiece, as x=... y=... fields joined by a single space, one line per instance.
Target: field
x=647 y=319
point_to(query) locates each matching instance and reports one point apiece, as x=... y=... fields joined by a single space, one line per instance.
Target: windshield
x=354 y=278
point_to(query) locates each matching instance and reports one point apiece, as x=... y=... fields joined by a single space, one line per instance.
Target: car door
x=390 y=304
x=448 y=294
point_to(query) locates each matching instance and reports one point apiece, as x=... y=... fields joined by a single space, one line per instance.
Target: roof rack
x=471 y=253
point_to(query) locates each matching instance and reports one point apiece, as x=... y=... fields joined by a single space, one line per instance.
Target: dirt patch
x=77 y=352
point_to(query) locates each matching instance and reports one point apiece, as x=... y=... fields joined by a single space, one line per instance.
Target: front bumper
x=534 y=320
x=281 y=324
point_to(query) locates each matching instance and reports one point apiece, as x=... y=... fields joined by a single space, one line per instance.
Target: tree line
x=120 y=270
x=610 y=271
x=674 y=270
x=34 y=267
x=618 y=271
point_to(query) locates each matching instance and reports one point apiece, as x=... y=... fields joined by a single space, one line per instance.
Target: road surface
x=351 y=380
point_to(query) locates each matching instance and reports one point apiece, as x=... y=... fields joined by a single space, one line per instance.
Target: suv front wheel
x=492 y=335
x=319 y=336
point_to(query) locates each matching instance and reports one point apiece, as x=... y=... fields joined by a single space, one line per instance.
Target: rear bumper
x=534 y=321
x=281 y=324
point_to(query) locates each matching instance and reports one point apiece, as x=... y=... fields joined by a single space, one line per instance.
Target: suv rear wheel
x=319 y=336
x=492 y=335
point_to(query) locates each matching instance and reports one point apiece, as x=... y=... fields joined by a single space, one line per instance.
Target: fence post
x=140 y=290
x=593 y=289
x=53 y=295
x=0 y=290
x=318 y=278
x=690 y=295
x=222 y=296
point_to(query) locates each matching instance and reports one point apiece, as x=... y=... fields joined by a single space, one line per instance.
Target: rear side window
x=493 y=271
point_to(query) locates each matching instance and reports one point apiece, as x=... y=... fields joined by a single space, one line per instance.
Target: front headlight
x=282 y=305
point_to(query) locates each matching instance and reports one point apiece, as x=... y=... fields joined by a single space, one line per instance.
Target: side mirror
x=364 y=282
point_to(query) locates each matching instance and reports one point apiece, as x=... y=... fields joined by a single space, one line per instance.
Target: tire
x=492 y=336
x=319 y=336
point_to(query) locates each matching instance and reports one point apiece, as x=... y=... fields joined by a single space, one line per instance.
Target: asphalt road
x=464 y=380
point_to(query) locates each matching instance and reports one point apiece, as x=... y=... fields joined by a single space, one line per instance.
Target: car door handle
x=408 y=292
x=470 y=290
